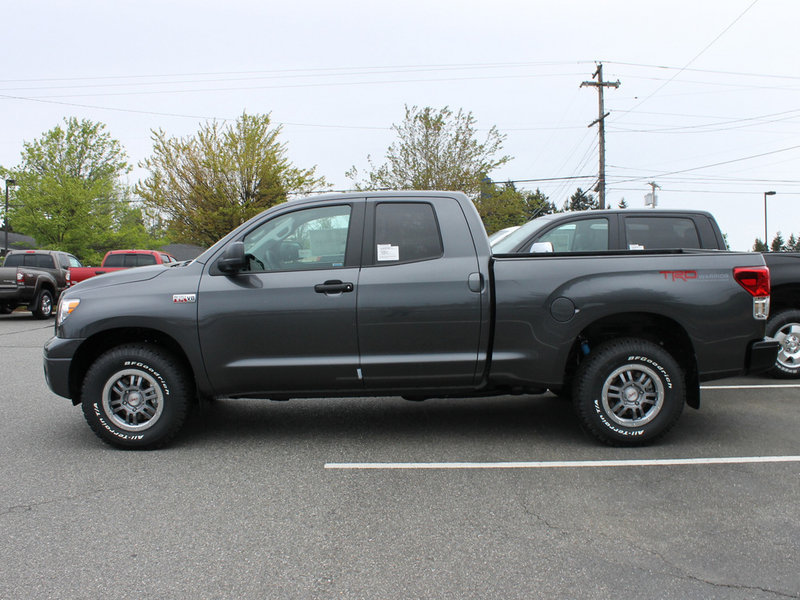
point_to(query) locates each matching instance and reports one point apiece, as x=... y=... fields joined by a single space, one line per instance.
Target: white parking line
x=757 y=386
x=569 y=464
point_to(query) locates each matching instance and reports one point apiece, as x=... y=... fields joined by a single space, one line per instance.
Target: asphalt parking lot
x=383 y=498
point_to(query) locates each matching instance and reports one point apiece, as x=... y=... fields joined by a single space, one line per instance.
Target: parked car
x=604 y=231
x=114 y=260
x=35 y=278
x=397 y=293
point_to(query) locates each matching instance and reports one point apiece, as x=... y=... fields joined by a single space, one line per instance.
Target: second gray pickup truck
x=398 y=293
x=596 y=231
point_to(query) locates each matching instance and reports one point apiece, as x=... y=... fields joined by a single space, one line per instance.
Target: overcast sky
x=708 y=105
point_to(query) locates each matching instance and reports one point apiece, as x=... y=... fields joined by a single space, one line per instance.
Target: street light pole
x=766 y=243
x=9 y=182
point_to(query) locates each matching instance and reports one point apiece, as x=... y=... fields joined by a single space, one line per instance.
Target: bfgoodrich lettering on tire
x=629 y=392
x=136 y=396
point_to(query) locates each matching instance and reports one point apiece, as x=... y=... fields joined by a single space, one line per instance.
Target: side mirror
x=542 y=247
x=233 y=259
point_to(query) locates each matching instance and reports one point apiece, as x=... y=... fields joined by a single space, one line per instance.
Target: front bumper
x=761 y=355
x=57 y=355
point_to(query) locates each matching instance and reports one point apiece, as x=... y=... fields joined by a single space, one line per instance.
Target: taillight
x=20 y=277
x=69 y=279
x=754 y=279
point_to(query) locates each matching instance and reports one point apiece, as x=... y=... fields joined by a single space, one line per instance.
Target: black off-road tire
x=785 y=327
x=629 y=392
x=44 y=306
x=136 y=396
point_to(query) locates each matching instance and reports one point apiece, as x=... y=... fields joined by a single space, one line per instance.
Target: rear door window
x=653 y=233
x=406 y=232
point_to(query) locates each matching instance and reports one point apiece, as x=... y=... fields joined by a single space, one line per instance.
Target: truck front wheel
x=629 y=392
x=784 y=326
x=136 y=397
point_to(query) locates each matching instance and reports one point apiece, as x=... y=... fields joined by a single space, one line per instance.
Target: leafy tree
x=537 y=204
x=622 y=204
x=67 y=187
x=210 y=183
x=503 y=205
x=792 y=244
x=435 y=149
x=581 y=200
x=500 y=206
x=778 y=245
x=759 y=246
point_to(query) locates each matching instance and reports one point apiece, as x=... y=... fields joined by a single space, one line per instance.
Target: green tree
x=208 y=184
x=500 y=206
x=759 y=246
x=435 y=150
x=622 y=204
x=67 y=187
x=503 y=205
x=537 y=204
x=792 y=244
x=778 y=245
x=581 y=200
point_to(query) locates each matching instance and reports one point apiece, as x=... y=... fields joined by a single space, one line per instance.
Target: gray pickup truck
x=629 y=229
x=34 y=278
x=398 y=293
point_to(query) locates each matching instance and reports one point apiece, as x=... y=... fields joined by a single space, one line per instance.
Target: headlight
x=65 y=307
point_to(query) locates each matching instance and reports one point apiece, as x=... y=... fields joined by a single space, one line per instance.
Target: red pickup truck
x=115 y=260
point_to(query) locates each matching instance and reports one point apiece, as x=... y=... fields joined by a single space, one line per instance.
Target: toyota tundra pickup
x=600 y=231
x=398 y=293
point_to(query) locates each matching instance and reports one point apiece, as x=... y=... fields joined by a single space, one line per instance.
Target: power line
x=726 y=162
x=699 y=54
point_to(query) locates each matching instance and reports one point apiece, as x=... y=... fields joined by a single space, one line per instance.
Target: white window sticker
x=388 y=252
x=635 y=247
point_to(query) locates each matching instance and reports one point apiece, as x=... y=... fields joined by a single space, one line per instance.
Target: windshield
x=510 y=242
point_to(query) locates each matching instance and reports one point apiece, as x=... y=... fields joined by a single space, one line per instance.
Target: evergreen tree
x=581 y=200
x=778 y=245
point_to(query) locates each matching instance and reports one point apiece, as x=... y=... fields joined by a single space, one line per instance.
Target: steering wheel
x=251 y=258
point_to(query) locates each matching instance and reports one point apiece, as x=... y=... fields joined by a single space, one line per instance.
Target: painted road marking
x=758 y=386
x=570 y=464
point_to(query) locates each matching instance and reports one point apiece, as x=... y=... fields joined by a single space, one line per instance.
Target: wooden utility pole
x=600 y=121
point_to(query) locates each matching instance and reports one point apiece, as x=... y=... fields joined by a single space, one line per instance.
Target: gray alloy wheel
x=633 y=395
x=133 y=400
x=784 y=326
x=44 y=305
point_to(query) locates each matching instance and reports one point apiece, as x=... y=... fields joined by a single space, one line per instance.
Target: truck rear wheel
x=44 y=306
x=136 y=397
x=629 y=392
x=784 y=326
